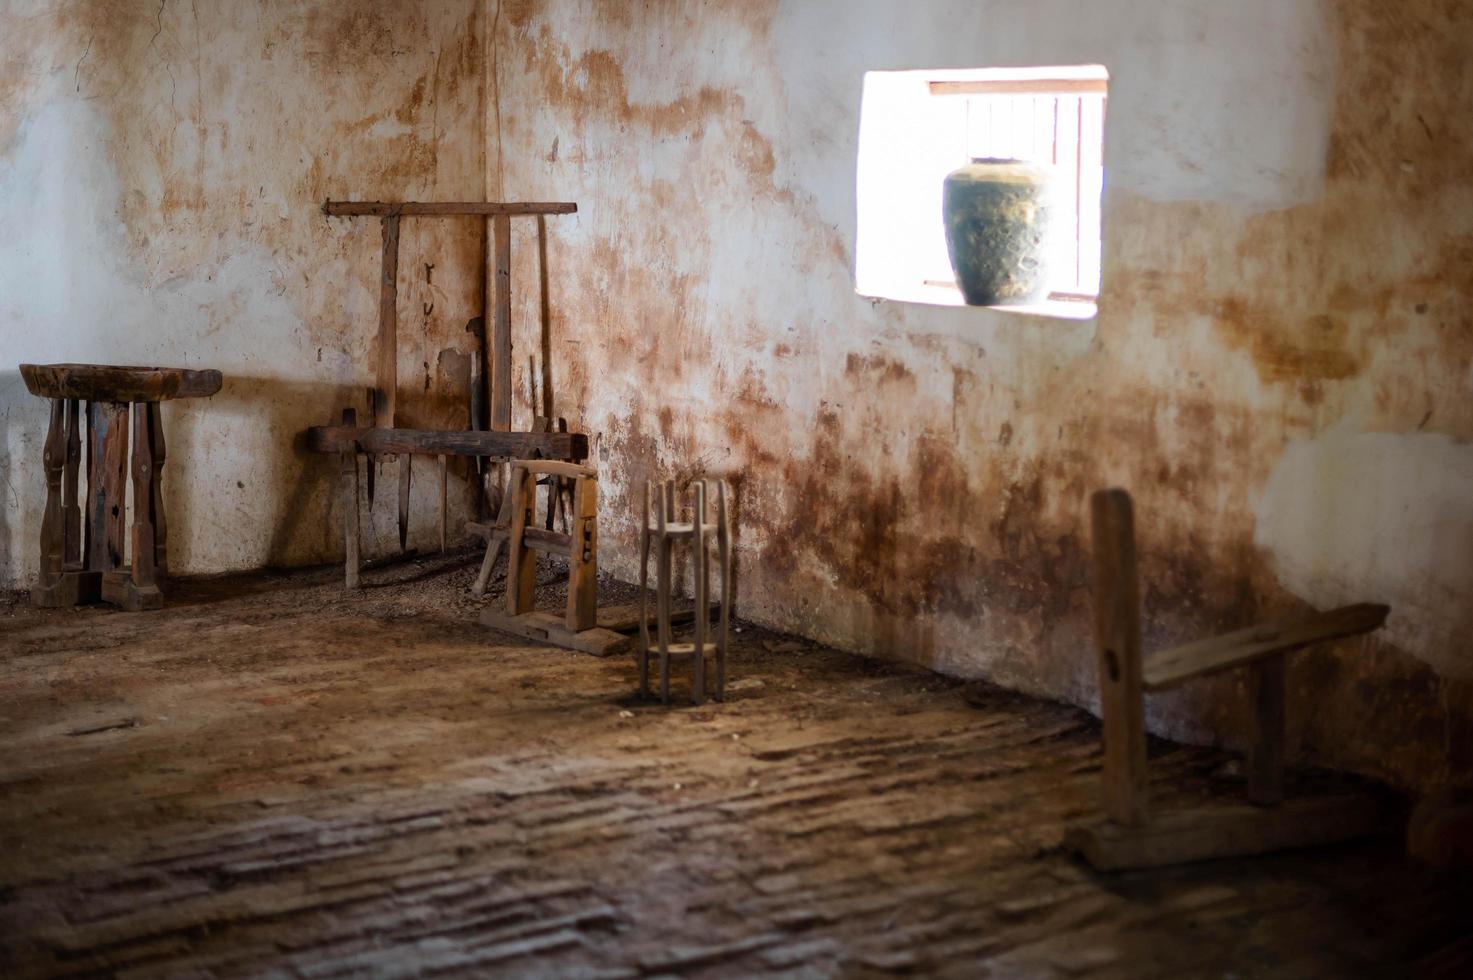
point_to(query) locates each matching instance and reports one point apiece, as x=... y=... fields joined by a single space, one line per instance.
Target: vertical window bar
x=1078 y=190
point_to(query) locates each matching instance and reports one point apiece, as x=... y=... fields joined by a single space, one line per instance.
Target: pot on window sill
x=997 y=213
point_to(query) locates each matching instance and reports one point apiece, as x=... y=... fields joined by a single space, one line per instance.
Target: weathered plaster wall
x=1280 y=372
x=161 y=167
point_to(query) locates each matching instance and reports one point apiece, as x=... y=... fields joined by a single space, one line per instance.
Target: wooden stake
x=1118 y=637
x=723 y=545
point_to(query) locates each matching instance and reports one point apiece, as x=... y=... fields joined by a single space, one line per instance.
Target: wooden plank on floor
x=1229 y=830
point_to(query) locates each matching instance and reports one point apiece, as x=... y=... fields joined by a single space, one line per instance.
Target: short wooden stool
x=578 y=628
x=1131 y=836
x=662 y=531
x=74 y=570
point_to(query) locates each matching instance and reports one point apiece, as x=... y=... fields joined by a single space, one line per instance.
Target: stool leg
x=662 y=618
x=699 y=574
x=583 y=553
x=644 y=599
x=352 y=530
x=160 y=525
x=71 y=510
x=144 y=593
x=53 y=521
x=522 y=561
x=723 y=548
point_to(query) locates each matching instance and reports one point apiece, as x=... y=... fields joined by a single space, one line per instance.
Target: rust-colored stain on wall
x=912 y=491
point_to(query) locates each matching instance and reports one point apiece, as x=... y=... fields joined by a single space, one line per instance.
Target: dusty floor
x=274 y=776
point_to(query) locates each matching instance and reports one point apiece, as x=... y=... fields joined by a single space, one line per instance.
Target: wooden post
x=521 y=573
x=700 y=573
x=582 y=553
x=352 y=532
x=1118 y=636
x=501 y=326
x=160 y=525
x=71 y=510
x=1266 y=679
x=387 y=380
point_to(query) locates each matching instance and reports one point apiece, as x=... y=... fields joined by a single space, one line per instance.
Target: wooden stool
x=663 y=531
x=578 y=628
x=1131 y=837
x=74 y=571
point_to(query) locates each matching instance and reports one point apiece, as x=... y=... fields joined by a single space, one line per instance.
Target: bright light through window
x=918 y=126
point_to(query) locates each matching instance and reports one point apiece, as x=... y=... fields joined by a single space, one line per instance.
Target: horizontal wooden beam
x=1229 y=830
x=427 y=209
x=1023 y=86
x=431 y=442
x=549 y=542
x=1168 y=668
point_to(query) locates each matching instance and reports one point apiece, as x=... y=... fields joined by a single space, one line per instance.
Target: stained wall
x=162 y=166
x=1280 y=371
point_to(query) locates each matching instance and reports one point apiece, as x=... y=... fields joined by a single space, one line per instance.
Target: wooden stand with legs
x=578 y=627
x=75 y=570
x=661 y=531
x=1130 y=836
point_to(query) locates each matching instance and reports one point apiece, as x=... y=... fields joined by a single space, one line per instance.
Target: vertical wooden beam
x=71 y=510
x=387 y=381
x=107 y=482
x=1118 y=637
x=582 y=553
x=521 y=573
x=501 y=328
x=352 y=532
x=1266 y=683
x=160 y=526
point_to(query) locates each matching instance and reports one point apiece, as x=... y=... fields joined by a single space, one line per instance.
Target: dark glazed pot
x=997 y=214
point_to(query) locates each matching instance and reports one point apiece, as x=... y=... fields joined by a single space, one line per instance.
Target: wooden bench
x=1131 y=836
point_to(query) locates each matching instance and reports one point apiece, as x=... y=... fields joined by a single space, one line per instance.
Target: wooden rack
x=486 y=439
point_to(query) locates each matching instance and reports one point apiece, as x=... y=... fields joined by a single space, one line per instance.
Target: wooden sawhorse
x=578 y=628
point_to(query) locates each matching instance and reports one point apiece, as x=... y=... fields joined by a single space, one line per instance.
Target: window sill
x=939 y=295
